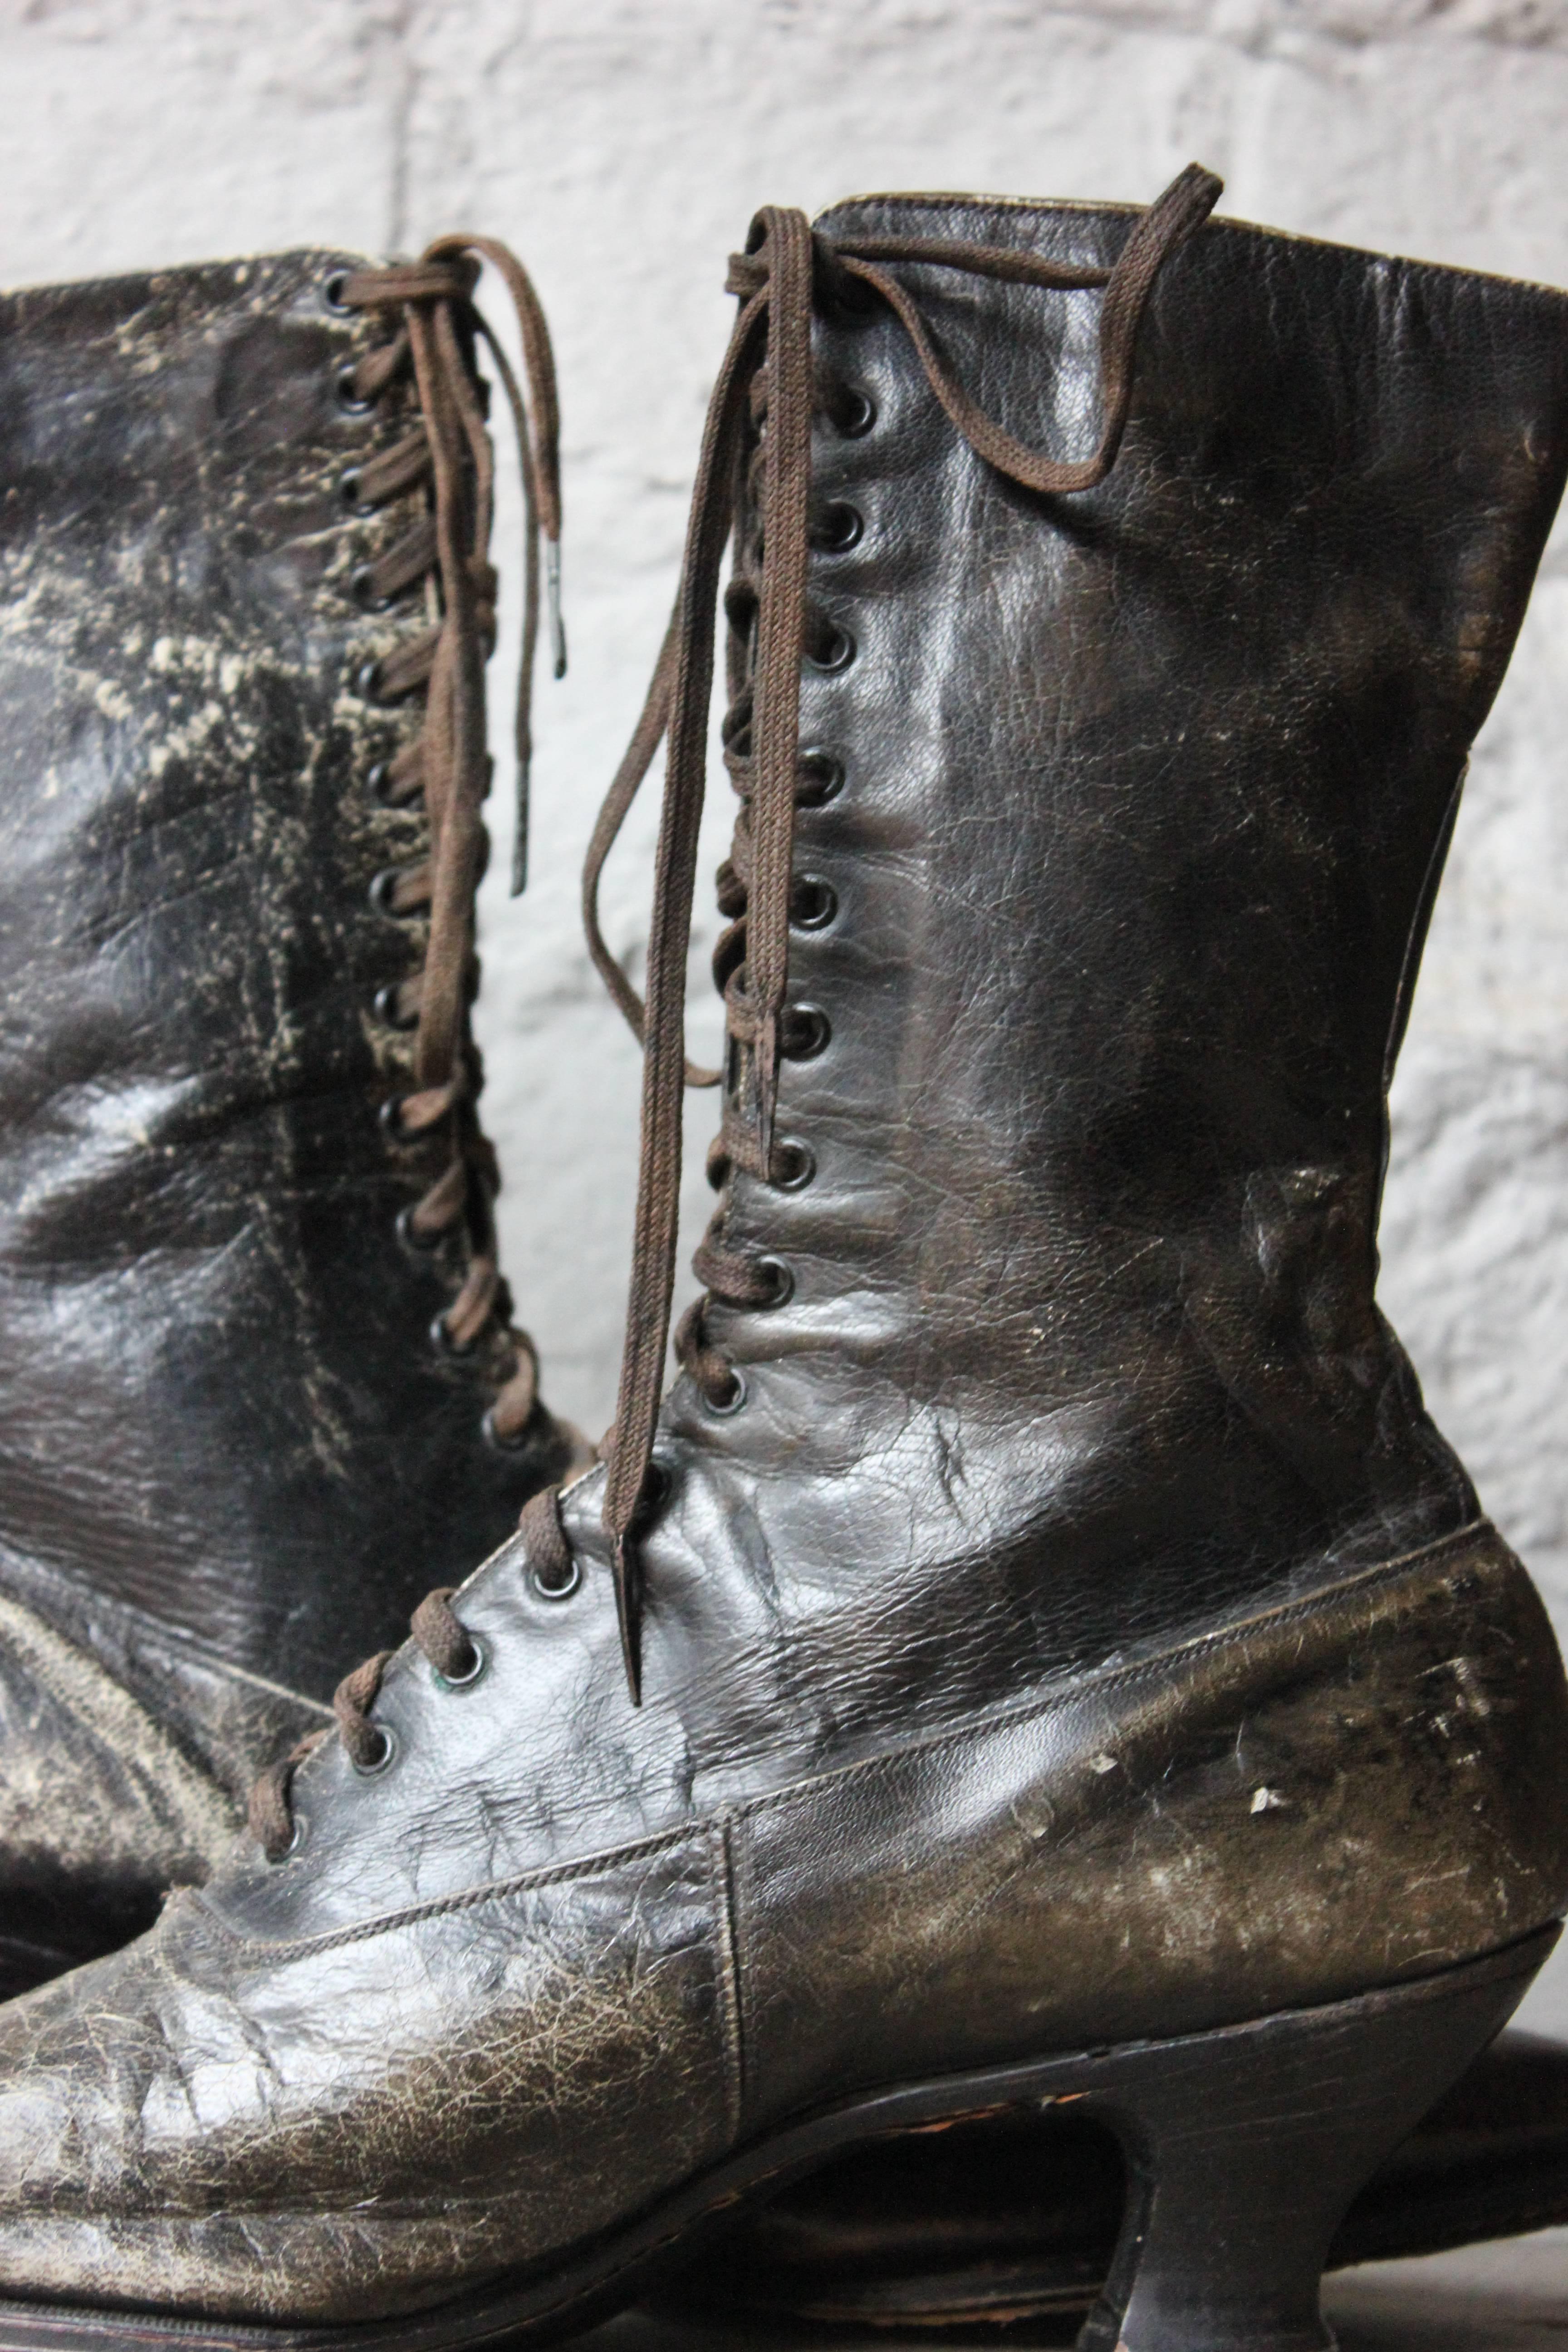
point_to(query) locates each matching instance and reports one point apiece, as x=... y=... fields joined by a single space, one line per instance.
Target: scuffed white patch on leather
x=88 y=1781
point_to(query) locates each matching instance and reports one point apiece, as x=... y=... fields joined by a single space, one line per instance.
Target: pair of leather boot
x=1039 y=1665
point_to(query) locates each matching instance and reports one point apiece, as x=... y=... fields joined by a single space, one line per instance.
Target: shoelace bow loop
x=767 y=375
x=430 y=302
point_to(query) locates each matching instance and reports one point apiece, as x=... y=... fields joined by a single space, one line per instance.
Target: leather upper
x=219 y=1400
x=232 y=1457
x=1078 y=1631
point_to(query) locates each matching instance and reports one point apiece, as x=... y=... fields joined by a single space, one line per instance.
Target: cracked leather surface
x=273 y=2109
x=1080 y=1631
x=231 y=1460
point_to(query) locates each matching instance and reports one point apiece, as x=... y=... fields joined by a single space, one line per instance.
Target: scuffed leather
x=223 y=1422
x=1080 y=1631
x=126 y=1765
x=293 y=2118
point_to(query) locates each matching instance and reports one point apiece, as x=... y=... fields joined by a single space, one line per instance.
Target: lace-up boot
x=257 y=1376
x=1039 y=1651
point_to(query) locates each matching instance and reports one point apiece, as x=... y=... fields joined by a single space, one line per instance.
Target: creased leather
x=223 y=1424
x=300 y=2118
x=1080 y=1631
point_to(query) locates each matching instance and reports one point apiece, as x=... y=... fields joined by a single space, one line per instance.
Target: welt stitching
x=495 y=1890
x=1116 y=1678
x=614 y=1857
x=728 y=1932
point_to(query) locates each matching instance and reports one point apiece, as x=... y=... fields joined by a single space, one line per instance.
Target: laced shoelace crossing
x=429 y=304
x=767 y=380
x=449 y=457
x=450 y=1649
x=767 y=386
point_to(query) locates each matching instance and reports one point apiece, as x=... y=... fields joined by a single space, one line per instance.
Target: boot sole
x=1244 y=2145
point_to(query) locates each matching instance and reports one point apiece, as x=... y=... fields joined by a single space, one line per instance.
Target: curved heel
x=1244 y=2146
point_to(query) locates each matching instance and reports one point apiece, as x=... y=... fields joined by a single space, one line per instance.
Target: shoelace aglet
x=628 y=1610
x=552 y=601
x=519 y=832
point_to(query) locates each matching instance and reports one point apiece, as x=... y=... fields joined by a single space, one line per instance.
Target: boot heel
x=1245 y=2146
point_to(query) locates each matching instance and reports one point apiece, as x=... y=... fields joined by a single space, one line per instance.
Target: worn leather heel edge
x=594 y=2281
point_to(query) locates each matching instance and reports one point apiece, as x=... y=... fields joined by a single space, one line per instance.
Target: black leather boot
x=259 y=1381
x=1069 y=1667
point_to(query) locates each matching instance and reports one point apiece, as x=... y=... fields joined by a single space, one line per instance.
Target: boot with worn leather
x=1040 y=1652
x=989 y=2223
x=258 y=1377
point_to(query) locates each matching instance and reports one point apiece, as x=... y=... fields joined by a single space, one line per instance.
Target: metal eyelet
x=806 y=1030
x=795 y=1165
x=348 y=399
x=391 y=1117
x=725 y=1406
x=332 y=294
x=368 y=679
x=384 y=1006
x=570 y=1579
x=349 y=493
x=517 y=1443
x=821 y=779
x=780 y=1280
x=479 y=1661
x=837 y=528
x=383 y=1757
x=361 y=588
x=296 y=1840
x=445 y=1345
x=813 y=903
x=836 y=650
x=422 y=1244
x=383 y=892
x=853 y=410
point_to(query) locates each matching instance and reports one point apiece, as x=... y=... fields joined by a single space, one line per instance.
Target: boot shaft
x=1105 y=926
x=1103 y=850
x=220 y=1397
x=1145 y=790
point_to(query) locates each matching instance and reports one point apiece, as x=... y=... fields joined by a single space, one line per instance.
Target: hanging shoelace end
x=520 y=831
x=629 y=1578
x=553 y=605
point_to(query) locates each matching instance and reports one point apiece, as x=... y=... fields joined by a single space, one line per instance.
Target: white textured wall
x=622 y=146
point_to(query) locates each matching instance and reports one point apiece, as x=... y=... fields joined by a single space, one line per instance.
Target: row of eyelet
x=479 y=1655
x=367 y=678
x=813 y=902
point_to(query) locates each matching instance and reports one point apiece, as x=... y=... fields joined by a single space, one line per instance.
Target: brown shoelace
x=449 y=457
x=767 y=387
x=430 y=305
x=767 y=380
x=453 y=1653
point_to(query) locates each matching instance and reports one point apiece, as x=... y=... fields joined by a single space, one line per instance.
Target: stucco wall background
x=622 y=145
